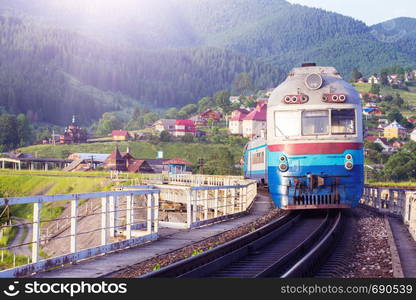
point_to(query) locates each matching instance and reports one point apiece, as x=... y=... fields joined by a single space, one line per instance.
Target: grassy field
x=17 y=185
x=394 y=184
x=188 y=151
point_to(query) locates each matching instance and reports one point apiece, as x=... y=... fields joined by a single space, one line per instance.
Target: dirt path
x=23 y=236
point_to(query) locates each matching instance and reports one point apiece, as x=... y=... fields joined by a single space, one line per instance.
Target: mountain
x=395 y=29
x=167 y=53
x=272 y=31
x=52 y=73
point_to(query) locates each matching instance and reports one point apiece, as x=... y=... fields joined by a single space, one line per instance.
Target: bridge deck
x=170 y=240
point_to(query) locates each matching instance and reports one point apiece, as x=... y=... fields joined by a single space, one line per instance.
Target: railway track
x=294 y=245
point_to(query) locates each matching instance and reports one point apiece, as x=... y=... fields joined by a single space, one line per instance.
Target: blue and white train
x=312 y=157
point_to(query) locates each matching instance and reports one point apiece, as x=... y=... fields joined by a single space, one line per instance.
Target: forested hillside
x=66 y=57
x=273 y=31
x=50 y=74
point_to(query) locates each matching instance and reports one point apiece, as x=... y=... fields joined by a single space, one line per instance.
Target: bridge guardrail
x=97 y=223
x=204 y=200
x=108 y=221
x=396 y=201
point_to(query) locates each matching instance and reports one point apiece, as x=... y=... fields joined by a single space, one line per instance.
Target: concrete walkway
x=170 y=240
x=406 y=247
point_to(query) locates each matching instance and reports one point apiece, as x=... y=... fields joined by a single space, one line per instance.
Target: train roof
x=297 y=84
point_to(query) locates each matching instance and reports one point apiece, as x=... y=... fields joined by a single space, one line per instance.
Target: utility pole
x=201 y=163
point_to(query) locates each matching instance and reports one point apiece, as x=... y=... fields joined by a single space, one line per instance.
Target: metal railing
x=95 y=223
x=62 y=229
x=395 y=201
x=188 y=179
x=194 y=206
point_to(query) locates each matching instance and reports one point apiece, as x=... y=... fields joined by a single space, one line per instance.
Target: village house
x=373 y=79
x=394 y=130
x=125 y=162
x=362 y=80
x=254 y=124
x=235 y=124
x=368 y=111
x=397 y=145
x=383 y=121
x=234 y=99
x=121 y=135
x=210 y=114
x=177 y=166
x=198 y=120
x=382 y=142
x=183 y=127
x=164 y=124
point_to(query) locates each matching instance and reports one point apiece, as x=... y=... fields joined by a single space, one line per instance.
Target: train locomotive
x=312 y=156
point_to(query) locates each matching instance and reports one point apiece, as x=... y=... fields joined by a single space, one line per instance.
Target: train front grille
x=307 y=199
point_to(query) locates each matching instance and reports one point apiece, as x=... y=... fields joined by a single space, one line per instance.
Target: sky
x=369 y=11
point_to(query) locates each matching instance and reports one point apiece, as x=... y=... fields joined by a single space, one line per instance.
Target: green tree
x=9 y=137
x=398 y=100
x=395 y=115
x=383 y=78
x=220 y=162
x=205 y=103
x=165 y=136
x=150 y=118
x=388 y=98
x=401 y=166
x=375 y=89
x=222 y=99
x=24 y=131
x=108 y=123
x=356 y=74
x=171 y=113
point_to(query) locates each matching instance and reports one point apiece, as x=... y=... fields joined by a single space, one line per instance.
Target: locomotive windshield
x=343 y=121
x=287 y=123
x=315 y=122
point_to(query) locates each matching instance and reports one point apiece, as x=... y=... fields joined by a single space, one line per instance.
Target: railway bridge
x=174 y=211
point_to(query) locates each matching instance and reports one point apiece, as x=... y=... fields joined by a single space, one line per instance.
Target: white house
x=164 y=124
x=373 y=79
x=255 y=122
x=235 y=125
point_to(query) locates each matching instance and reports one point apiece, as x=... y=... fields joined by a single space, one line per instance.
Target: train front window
x=287 y=123
x=315 y=122
x=343 y=121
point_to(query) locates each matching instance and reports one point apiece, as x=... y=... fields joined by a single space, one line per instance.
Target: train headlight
x=283 y=167
x=349 y=165
x=348 y=157
x=282 y=158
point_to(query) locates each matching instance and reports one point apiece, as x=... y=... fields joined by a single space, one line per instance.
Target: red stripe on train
x=315 y=148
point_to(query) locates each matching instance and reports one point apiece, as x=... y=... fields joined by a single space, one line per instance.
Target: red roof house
x=254 y=124
x=210 y=114
x=183 y=127
x=121 y=135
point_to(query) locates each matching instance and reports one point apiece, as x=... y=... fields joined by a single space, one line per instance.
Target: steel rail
x=274 y=259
